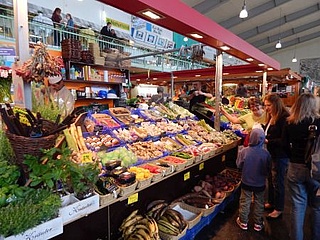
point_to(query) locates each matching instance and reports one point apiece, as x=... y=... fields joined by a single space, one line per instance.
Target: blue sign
x=7 y=51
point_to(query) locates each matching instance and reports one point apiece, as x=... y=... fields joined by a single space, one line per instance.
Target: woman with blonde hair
x=302 y=188
x=276 y=119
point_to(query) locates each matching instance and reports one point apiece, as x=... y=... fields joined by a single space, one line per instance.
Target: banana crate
x=165 y=236
x=191 y=215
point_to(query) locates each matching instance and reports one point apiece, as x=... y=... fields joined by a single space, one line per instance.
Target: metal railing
x=52 y=37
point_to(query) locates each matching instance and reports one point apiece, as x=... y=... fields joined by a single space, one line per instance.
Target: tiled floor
x=224 y=227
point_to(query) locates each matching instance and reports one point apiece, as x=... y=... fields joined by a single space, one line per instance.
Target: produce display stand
x=104 y=223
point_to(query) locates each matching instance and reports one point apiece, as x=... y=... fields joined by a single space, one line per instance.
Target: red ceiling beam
x=181 y=18
x=209 y=72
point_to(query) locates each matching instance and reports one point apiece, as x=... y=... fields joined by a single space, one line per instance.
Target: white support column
x=218 y=87
x=20 y=8
x=264 y=83
x=172 y=86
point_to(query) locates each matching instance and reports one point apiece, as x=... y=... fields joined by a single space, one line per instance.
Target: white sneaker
x=258 y=227
x=243 y=226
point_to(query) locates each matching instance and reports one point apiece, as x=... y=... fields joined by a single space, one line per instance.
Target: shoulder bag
x=312 y=157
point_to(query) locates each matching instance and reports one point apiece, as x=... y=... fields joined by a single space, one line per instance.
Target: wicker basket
x=104 y=200
x=128 y=190
x=144 y=183
x=26 y=145
x=197 y=158
x=157 y=176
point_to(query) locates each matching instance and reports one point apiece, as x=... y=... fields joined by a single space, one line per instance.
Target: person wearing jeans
x=276 y=184
x=303 y=189
x=276 y=116
x=254 y=161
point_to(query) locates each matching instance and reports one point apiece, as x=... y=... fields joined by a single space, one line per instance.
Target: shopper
x=255 y=163
x=42 y=27
x=57 y=20
x=302 y=188
x=159 y=97
x=70 y=23
x=276 y=118
x=106 y=30
x=247 y=121
x=241 y=91
x=198 y=96
x=61 y=95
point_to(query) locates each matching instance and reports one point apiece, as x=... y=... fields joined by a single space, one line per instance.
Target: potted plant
x=55 y=171
x=37 y=206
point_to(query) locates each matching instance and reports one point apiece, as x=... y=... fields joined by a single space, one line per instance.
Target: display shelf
x=86 y=83
x=169 y=188
x=89 y=101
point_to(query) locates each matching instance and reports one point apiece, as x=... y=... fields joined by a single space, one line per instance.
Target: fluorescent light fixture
x=174 y=77
x=225 y=48
x=138 y=79
x=225 y=73
x=249 y=59
x=294 y=59
x=196 y=35
x=154 y=78
x=230 y=56
x=244 y=12
x=269 y=69
x=261 y=65
x=278 y=45
x=185 y=39
x=151 y=14
x=197 y=75
x=259 y=71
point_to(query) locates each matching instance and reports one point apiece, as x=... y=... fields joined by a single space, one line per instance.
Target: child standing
x=255 y=163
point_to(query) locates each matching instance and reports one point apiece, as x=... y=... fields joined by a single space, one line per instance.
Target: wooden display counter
x=104 y=223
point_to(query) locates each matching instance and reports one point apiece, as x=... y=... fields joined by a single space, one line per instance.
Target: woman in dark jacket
x=302 y=188
x=276 y=118
x=56 y=19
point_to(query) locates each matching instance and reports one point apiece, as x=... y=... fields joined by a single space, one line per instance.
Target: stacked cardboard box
x=71 y=49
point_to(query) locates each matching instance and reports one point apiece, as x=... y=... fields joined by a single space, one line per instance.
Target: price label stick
x=201 y=166
x=86 y=157
x=133 y=198
x=186 y=176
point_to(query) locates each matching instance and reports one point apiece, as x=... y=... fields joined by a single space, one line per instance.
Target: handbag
x=312 y=157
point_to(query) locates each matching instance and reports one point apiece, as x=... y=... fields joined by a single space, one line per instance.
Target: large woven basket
x=26 y=145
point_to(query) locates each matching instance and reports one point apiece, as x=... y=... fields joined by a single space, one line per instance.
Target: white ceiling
x=294 y=21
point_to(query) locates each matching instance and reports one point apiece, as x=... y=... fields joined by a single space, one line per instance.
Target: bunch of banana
x=156 y=209
x=136 y=226
x=171 y=222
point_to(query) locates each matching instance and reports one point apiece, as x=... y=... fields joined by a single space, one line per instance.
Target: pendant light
x=243 y=13
x=278 y=44
x=294 y=59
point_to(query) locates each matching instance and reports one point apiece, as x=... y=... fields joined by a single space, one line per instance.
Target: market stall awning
x=230 y=73
x=178 y=17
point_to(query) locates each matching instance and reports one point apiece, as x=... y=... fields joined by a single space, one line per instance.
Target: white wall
x=309 y=49
x=89 y=10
